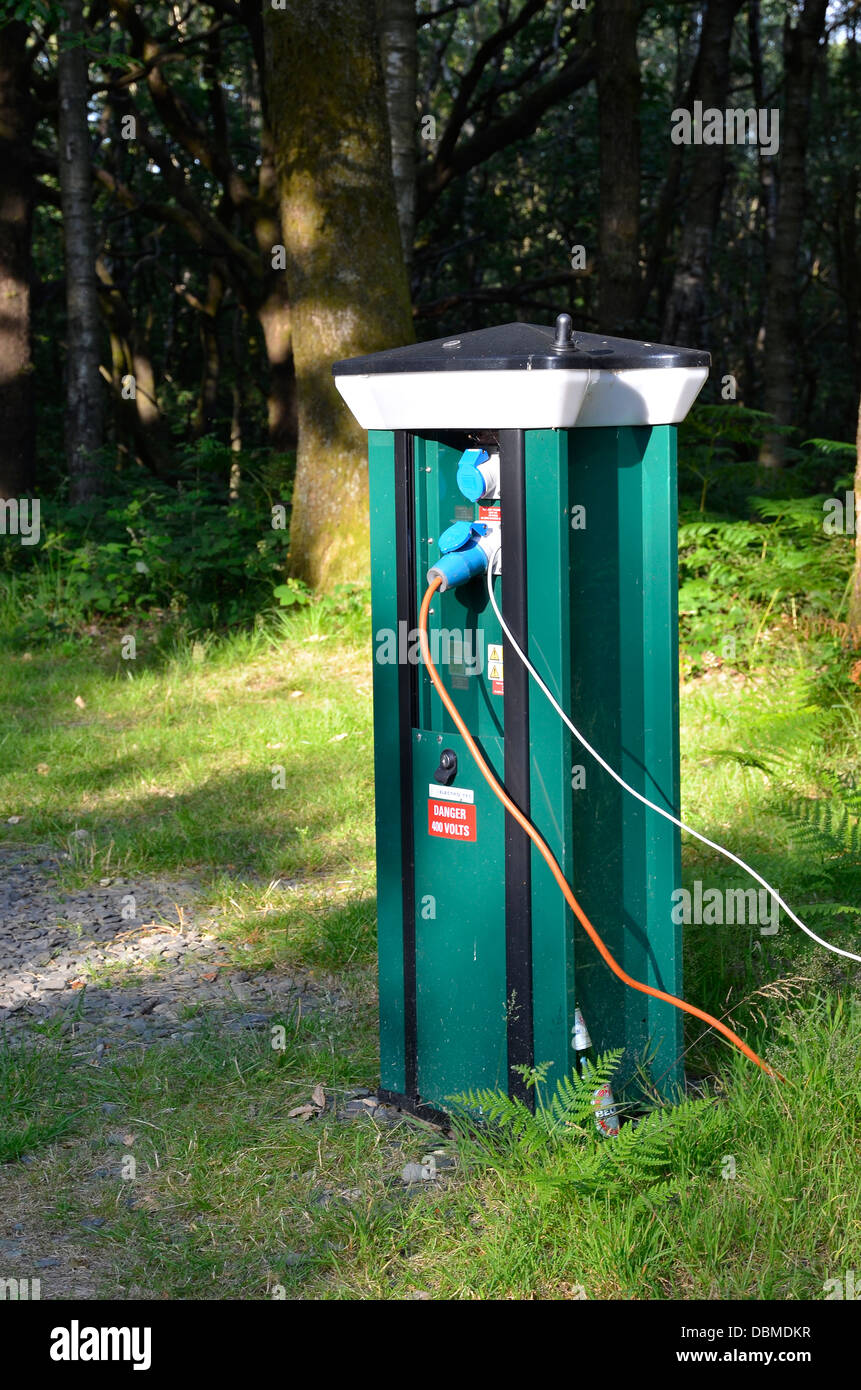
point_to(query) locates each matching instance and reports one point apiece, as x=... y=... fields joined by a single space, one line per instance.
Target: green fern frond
x=831 y=826
x=745 y=758
x=559 y=1152
x=830 y=446
x=491 y=1124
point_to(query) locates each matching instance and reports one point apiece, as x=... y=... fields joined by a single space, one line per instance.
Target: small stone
x=94 y=1223
x=46 y=1262
x=109 y=1107
x=249 y=1021
x=417 y=1172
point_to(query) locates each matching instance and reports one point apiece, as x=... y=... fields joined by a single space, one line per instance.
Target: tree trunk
x=83 y=329
x=273 y=310
x=618 y=82
x=754 y=338
x=281 y=404
x=210 y=348
x=780 y=364
x=345 y=269
x=139 y=415
x=766 y=163
x=847 y=262
x=397 y=25
x=237 y=337
x=664 y=214
x=17 y=416
x=684 y=318
x=855 y=591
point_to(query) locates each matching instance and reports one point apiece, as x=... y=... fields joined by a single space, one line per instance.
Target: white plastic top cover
x=522 y=376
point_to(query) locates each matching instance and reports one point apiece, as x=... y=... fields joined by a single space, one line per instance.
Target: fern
x=558 y=1150
x=781 y=553
x=571 y=1104
x=490 y=1123
x=650 y=1156
x=832 y=825
x=831 y=446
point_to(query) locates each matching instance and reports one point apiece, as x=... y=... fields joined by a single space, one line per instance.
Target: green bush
x=185 y=548
x=750 y=565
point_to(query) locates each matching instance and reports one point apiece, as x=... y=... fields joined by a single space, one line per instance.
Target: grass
x=231 y=756
x=243 y=764
x=35 y=1107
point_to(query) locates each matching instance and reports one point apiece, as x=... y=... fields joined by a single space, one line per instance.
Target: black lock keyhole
x=445 y=773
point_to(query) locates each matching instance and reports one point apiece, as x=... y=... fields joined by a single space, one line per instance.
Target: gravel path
x=125 y=963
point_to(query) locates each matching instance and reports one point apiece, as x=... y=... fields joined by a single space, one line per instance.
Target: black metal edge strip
x=407 y=720
x=412 y=1106
x=518 y=848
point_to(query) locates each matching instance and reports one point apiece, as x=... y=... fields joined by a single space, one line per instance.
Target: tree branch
x=517 y=125
x=470 y=80
x=176 y=116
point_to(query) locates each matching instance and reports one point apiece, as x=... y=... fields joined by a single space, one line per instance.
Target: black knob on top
x=564 y=341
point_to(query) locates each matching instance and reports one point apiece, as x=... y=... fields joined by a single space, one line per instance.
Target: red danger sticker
x=451 y=820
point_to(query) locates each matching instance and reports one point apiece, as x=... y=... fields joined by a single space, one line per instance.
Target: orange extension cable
x=550 y=859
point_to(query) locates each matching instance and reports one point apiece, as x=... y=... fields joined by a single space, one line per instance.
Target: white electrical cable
x=645 y=800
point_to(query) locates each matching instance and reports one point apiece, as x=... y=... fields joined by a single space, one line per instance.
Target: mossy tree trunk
x=344 y=265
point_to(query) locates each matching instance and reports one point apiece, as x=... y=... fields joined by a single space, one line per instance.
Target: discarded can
x=606 y=1115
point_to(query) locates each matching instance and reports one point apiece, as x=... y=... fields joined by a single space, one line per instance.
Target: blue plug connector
x=478 y=474
x=470 y=479
x=462 y=555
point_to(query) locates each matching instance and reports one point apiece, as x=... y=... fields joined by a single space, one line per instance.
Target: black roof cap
x=524 y=347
